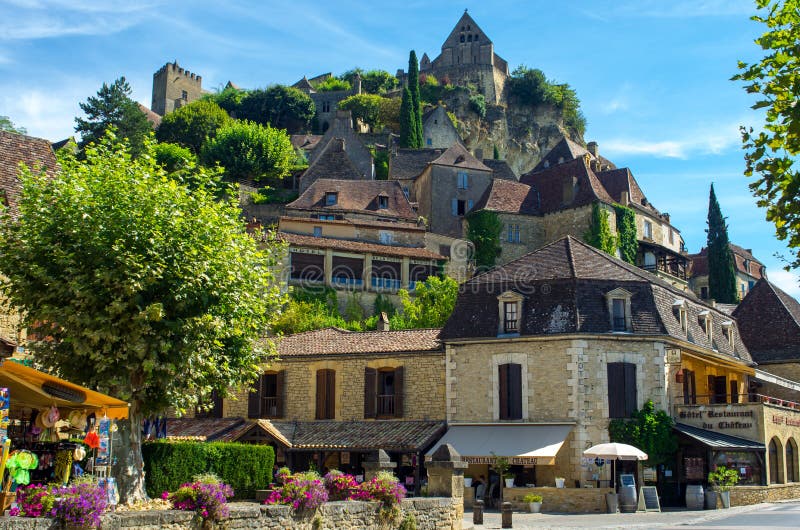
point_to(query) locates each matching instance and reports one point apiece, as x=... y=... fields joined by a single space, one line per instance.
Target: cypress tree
x=721 y=272
x=407 y=129
x=413 y=87
x=496 y=153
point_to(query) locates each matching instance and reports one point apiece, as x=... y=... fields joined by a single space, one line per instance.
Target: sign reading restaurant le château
x=741 y=421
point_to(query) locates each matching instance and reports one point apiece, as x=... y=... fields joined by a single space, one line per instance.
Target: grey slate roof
x=410 y=163
x=500 y=169
x=717 y=440
x=568 y=150
x=356 y=196
x=360 y=435
x=769 y=323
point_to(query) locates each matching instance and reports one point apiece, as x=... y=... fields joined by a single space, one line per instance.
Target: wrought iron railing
x=736 y=399
x=386 y=405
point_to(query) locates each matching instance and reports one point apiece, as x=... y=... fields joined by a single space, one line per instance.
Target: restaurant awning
x=521 y=443
x=35 y=389
x=718 y=440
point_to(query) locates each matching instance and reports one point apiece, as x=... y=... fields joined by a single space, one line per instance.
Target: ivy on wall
x=599 y=234
x=626 y=233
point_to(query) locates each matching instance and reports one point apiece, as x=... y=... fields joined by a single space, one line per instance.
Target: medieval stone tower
x=468 y=57
x=174 y=87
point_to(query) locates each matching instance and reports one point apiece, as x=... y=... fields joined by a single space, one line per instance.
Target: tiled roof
x=372 y=223
x=361 y=435
x=550 y=184
x=356 y=196
x=332 y=163
x=568 y=150
x=410 y=163
x=615 y=181
x=564 y=286
x=740 y=255
x=769 y=322
x=509 y=197
x=457 y=156
x=305 y=141
x=303 y=84
x=152 y=117
x=207 y=429
x=299 y=240
x=500 y=169
x=33 y=152
x=335 y=341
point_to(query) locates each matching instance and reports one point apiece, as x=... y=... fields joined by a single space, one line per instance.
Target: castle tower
x=174 y=87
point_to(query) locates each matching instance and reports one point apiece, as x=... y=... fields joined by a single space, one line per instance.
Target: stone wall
x=433 y=513
x=744 y=495
x=561 y=500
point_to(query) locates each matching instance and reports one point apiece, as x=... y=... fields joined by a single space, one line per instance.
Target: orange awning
x=31 y=388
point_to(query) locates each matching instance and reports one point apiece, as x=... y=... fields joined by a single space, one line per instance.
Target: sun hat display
x=53 y=415
x=79 y=453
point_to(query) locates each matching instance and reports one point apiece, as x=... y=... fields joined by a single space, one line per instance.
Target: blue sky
x=653 y=76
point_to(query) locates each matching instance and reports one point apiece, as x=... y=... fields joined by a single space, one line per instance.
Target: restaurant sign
x=737 y=421
x=513 y=460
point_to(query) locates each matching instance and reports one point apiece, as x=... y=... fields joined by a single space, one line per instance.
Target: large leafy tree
x=248 y=150
x=771 y=153
x=365 y=107
x=484 y=228
x=7 y=125
x=413 y=86
x=143 y=288
x=113 y=107
x=372 y=81
x=432 y=305
x=280 y=106
x=649 y=430
x=721 y=271
x=192 y=124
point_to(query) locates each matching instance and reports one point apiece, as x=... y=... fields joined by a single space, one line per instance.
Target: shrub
x=339 y=485
x=332 y=84
x=190 y=125
x=208 y=499
x=173 y=157
x=251 y=151
x=478 y=103
x=245 y=467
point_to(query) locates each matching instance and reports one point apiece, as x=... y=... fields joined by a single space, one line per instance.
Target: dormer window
x=727 y=332
x=331 y=198
x=679 y=308
x=648 y=230
x=383 y=202
x=747 y=266
x=704 y=318
x=619 y=309
x=510 y=311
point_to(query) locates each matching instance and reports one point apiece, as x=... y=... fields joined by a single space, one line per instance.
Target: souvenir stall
x=53 y=430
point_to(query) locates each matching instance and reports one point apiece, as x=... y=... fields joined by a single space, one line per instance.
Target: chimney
x=592 y=148
x=624 y=198
x=665 y=215
x=479 y=153
x=383 y=322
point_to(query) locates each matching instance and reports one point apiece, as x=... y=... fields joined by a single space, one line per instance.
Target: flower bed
x=206 y=496
x=79 y=505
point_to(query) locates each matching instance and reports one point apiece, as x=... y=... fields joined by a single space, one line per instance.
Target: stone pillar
x=367 y=272
x=328 y=267
x=404 y=274
x=376 y=462
x=446 y=473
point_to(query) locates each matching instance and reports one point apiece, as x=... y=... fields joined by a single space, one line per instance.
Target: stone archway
x=775 y=461
x=791 y=461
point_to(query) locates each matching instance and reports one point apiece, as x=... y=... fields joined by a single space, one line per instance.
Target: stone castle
x=174 y=87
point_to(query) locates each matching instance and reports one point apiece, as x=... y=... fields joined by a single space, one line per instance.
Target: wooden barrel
x=694 y=497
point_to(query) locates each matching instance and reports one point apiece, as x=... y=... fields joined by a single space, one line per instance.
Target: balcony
x=675 y=267
x=385 y=404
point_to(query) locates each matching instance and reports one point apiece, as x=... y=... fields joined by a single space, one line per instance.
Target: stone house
x=748 y=271
x=438 y=130
x=567 y=150
x=326 y=103
x=542 y=352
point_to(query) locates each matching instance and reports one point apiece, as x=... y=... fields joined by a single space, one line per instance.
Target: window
x=774 y=462
x=791 y=460
x=621 y=389
x=266 y=398
x=510 y=391
x=689 y=387
x=704 y=319
x=512 y=235
x=648 y=230
x=383 y=392
x=510 y=317
x=727 y=332
x=326 y=394
x=383 y=202
x=462 y=37
x=463 y=182
x=326 y=106
x=618 y=309
x=429 y=141
x=469 y=38
x=331 y=198
x=317 y=231
x=747 y=266
x=460 y=207
x=717 y=389
x=406 y=192
x=704 y=293
x=184 y=95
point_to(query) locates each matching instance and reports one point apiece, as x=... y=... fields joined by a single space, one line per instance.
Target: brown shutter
x=734 y=391
x=712 y=397
x=503 y=389
x=693 y=387
x=330 y=397
x=321 y=394
x=514 y=383
x=398 y=392
x=616 y=390
x=370 y=392
x=254 y=398
x=280 y=394
x=630 y=389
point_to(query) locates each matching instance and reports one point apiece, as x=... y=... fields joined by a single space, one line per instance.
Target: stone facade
x=438 y=130
x=561 y=500
x=744 y=495
x=174 y=87
x=437 y=191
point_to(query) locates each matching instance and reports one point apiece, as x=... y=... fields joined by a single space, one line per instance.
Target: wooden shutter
x=321 y=393
x=693 y=386
x=254 y=398
x=616 y=390
x=712 y=397
x=280 y=393
x=370 y=392
x=734 y=391
x=514 y=391
x=630 y=389
x=398 y=392
x=454 y=206
x=503 y=388
x=330 y=397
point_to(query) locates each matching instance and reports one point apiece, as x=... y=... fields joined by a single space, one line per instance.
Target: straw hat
x=45 y=419
x=79 y=454
x=77 y=419
x=39 y=417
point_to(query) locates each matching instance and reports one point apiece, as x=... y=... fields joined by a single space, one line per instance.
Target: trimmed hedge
x=245 y=467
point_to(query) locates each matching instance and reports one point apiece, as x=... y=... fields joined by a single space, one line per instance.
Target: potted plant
x=510 y=480
x=501 y=465
x=723 y=479
x=534 y=502
x=560 y=482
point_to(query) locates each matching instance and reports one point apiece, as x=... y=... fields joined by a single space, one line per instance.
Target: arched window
x=791 y=461
x=775 y=456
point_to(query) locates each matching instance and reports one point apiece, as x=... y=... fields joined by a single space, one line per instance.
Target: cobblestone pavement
x=524 y=520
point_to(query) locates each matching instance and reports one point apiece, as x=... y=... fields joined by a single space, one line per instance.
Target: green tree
x=181 y=165
x=626 y=233
x=332 y=84
x=113 y=107
x=416 y=109
x=599 y=234
x=721 y=271
x=530 y=87
x=248 y=150
x=372 y=81
x=649 y=430
x=280 y=106
x=431 y=306
x=173 y=157
x=389 y=115
x=364 y=107
x=495 y=152
x=192 y=124
x=483 y=230
x=7 y=125
x=228 y=99
x=408 y=130
x=148 y=291
x=771 y=153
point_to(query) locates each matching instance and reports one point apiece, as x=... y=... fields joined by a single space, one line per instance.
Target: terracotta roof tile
x=300 y=240
x=33 y=152
x=373 y=223
x=740 y=255
x=356 y=196
x=207 y=429
x=550 y=184
x=509 y=197
x=332 y=163
x=152 y=117
x=335 y=341
x=615 y=181
x=567 y=150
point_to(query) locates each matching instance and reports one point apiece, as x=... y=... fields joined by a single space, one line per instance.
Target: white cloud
x=703 y=140
x=43 y=113
x=788 y=281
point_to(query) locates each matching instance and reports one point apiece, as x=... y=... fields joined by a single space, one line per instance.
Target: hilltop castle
x=174 y=87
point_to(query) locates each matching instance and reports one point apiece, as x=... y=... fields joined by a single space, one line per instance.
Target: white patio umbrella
x=614 y=452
